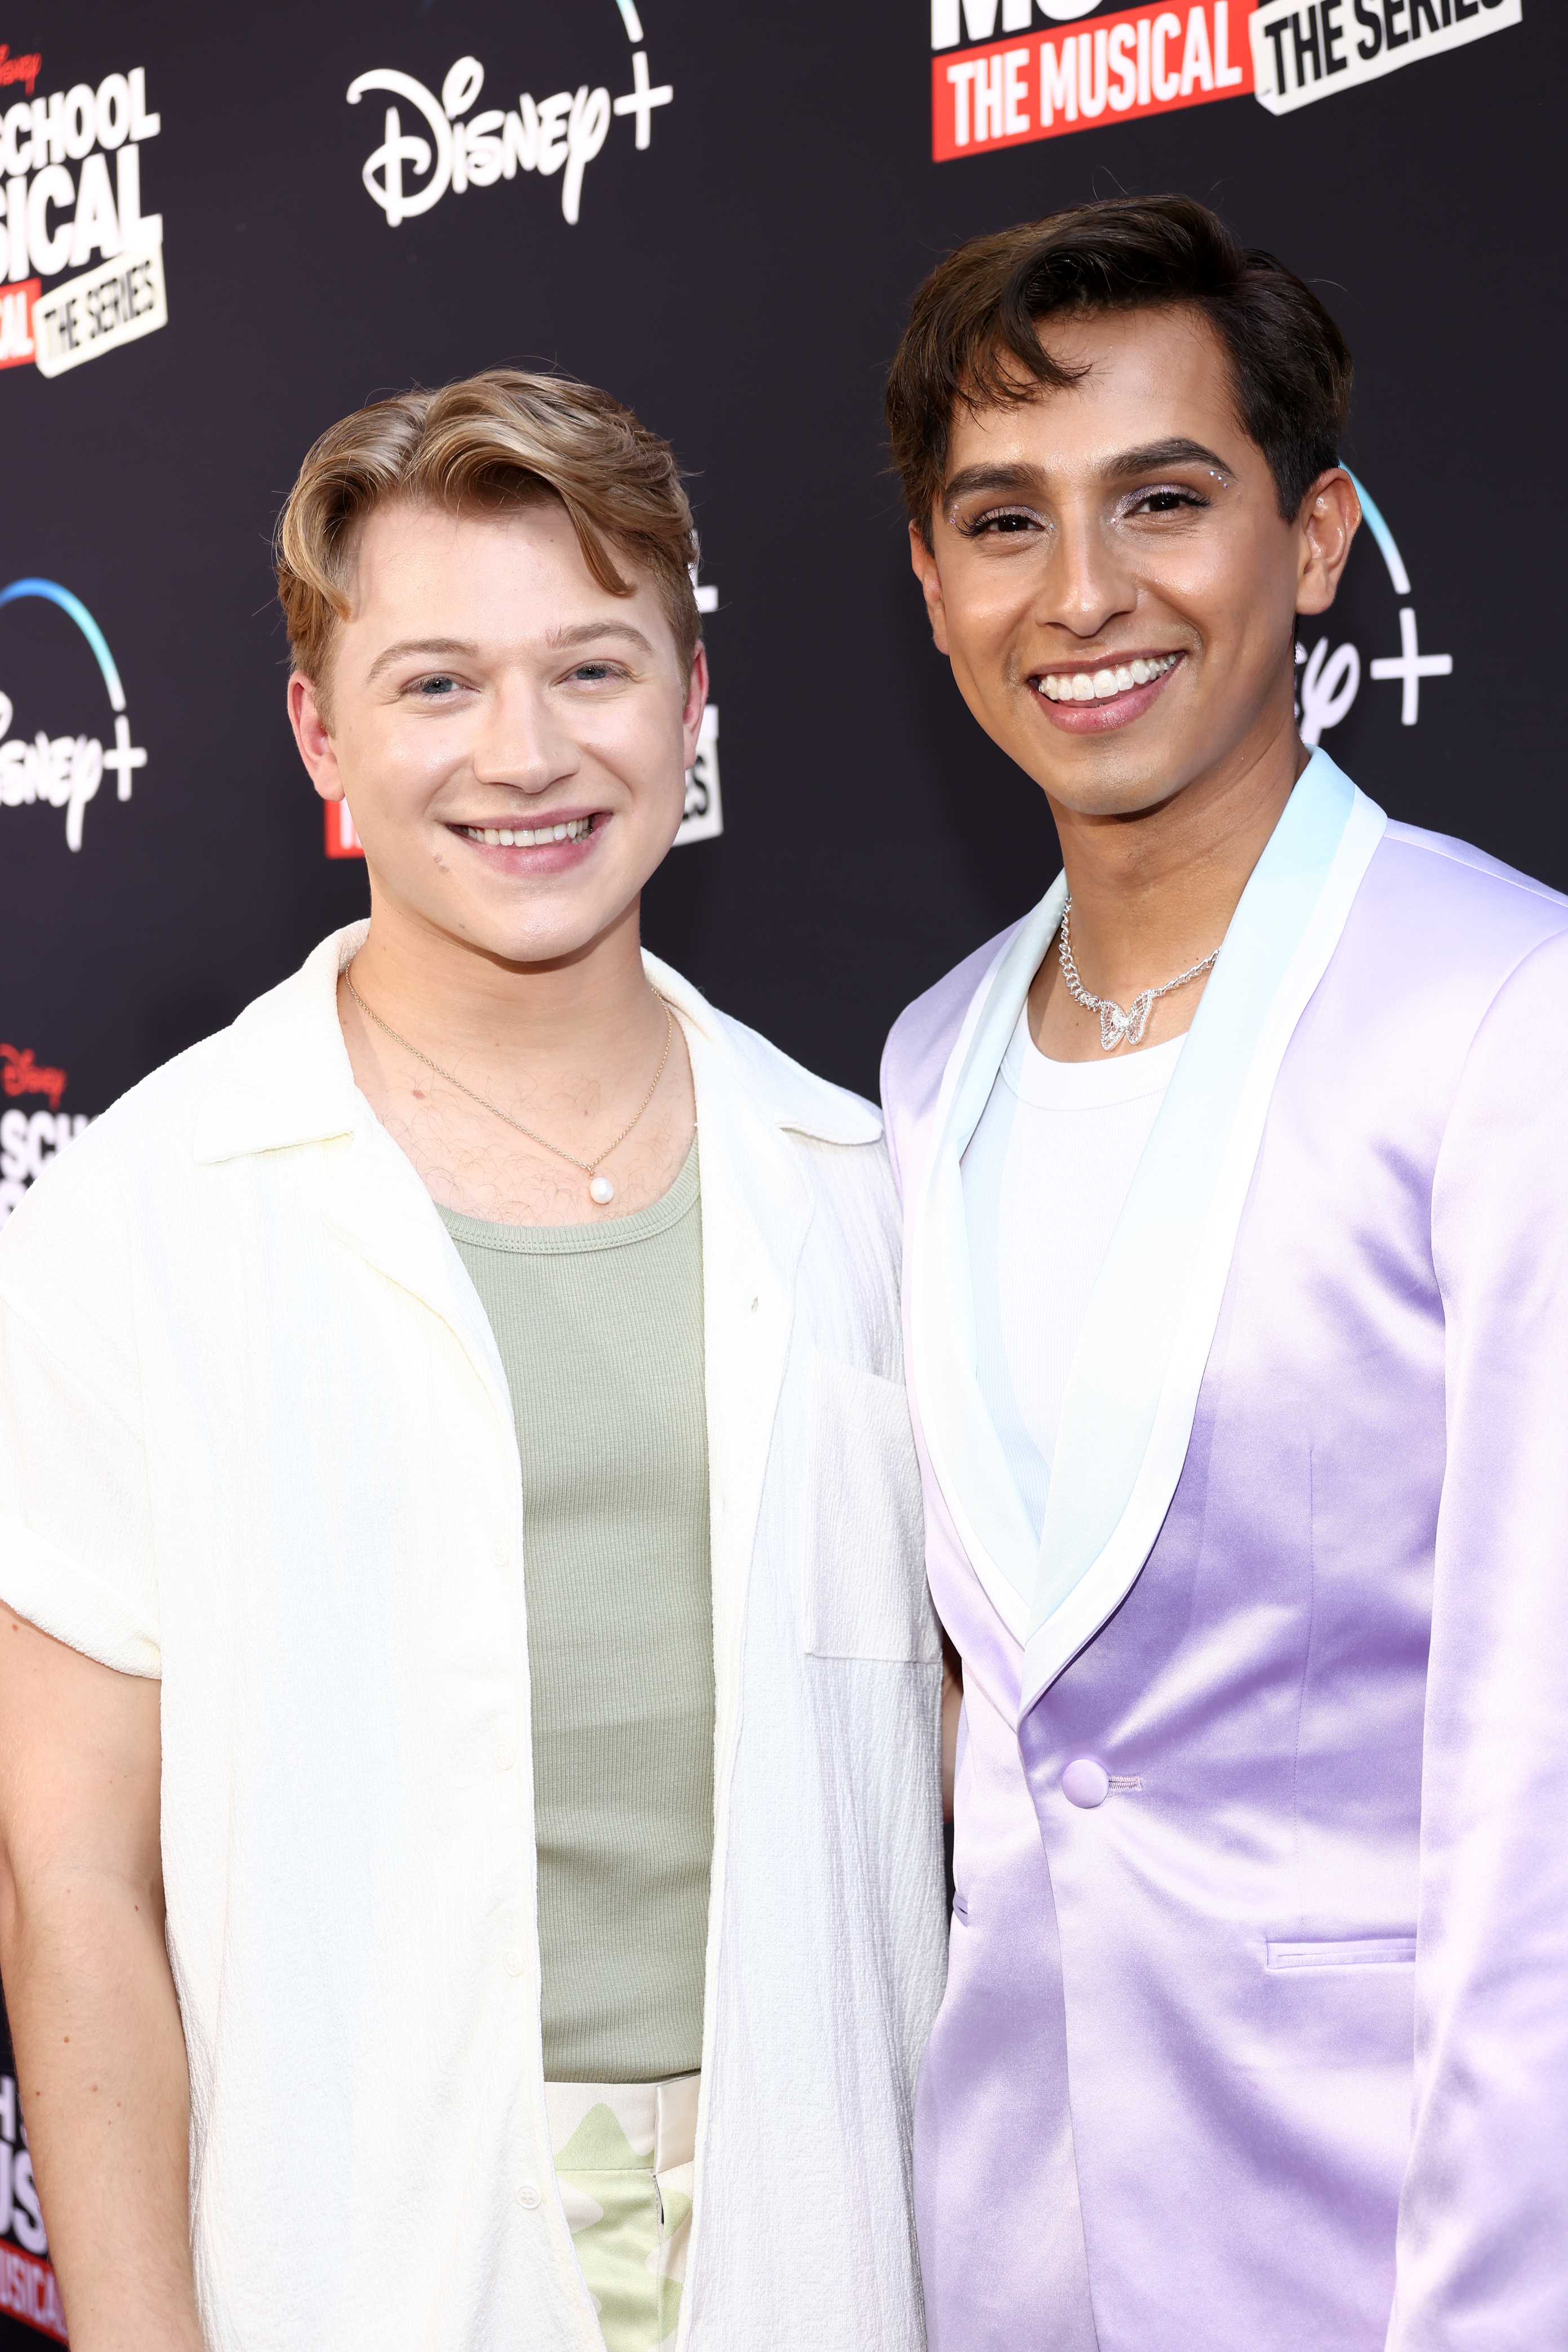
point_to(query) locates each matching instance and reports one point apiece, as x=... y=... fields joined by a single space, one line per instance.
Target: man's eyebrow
x=1006 y=480
x=391 y=655
x=586 y=633
x=582 y=632
x=1157 y=454
x=1021 y=481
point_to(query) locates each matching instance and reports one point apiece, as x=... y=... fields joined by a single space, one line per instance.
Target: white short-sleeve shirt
x=256 y=1440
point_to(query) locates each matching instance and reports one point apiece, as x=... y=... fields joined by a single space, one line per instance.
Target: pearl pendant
x=601 y=1190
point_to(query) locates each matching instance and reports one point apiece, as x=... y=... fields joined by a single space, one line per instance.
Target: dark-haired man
x=1236 y=1283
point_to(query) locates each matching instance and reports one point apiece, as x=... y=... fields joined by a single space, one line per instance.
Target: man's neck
x=1154 y=893
x=523 y=1077
x=457 y=1003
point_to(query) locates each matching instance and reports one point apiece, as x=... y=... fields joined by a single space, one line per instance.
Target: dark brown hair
x=495 y=441
x=972 y=332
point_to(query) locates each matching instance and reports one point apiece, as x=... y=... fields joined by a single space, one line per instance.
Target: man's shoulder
x=162 y=1103
x=1445 y=923
x=147 y=1152
x=134 y=1141
x=69 y=1248
x=1437 y=872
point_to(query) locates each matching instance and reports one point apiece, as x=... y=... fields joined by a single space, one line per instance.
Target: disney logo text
x=560 y=133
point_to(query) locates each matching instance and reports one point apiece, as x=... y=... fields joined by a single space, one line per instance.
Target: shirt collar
x=282 y=1076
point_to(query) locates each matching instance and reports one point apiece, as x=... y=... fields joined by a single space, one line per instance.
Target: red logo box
x=342 y=841
x=16 y=347
x=28 y=2291
x=1120 y=68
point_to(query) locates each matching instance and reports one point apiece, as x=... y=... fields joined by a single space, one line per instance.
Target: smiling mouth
x=1104 y=685
x=517 y=837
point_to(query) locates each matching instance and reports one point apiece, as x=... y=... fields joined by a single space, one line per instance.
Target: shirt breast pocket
x=864 y=1587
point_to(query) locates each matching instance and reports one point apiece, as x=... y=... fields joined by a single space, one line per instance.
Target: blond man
x=470 y=1831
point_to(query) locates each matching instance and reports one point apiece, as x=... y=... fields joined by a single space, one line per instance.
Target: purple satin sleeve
x=1483 y=2225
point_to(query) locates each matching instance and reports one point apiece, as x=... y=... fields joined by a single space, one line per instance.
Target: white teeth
x=1100 y=685
x=518 y=837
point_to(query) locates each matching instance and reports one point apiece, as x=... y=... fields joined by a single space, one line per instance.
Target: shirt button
x=529 y=2195
x=1086 y=1784
x=515 y=1963
x=505 y=1756
x=499 y=1552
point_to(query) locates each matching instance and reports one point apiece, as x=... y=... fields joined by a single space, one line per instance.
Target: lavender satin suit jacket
x=1267 y=2052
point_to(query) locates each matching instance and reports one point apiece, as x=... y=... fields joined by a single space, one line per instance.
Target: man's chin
x=539 y=938
x=1106 y=784
x=554 y=930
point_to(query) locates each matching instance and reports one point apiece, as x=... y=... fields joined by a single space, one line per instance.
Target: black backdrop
x=742 y=280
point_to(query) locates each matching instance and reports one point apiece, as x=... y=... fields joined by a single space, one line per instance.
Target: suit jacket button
x=1085 y=1782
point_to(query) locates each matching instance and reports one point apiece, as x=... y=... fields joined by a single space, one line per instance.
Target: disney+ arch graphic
x=65 y=771
x=1329 y=680
x=447 y=146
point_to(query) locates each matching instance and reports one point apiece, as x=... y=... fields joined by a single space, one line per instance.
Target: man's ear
x=310 y=734
x=922 y=562
x=695 y=704
x=1327 y=522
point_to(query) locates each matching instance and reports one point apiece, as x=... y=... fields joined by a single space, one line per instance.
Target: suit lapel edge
x=1078 y=1613
x=940 y=1314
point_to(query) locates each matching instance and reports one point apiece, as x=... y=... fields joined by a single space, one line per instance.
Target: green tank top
x=600 y=1330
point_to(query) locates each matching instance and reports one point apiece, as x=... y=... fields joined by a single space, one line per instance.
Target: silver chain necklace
x=1116 y=1027
x=600 y=1189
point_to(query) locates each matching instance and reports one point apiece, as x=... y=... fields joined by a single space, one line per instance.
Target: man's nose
x=1087 y=580
x=521 y=742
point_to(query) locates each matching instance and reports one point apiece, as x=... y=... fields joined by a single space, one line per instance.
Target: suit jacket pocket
x=864 y=1587
x=1352 y=1952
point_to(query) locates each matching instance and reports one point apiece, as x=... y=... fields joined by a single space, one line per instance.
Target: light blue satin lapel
x=1127 y=1411
x=961 y=1439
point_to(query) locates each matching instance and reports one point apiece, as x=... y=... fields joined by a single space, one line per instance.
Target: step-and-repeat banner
x=221 y=230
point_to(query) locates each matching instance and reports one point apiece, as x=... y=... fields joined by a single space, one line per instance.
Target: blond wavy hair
x=496 y=442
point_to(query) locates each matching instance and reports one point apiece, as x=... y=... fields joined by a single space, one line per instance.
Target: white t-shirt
x=1045 y=1178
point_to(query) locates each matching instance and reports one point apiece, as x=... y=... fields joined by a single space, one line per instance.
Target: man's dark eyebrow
x=1020 y=481
x=1007 y=481
x=437 y=646
x=1155 y=455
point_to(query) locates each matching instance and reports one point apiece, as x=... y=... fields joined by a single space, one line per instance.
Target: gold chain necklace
x=600 y=1189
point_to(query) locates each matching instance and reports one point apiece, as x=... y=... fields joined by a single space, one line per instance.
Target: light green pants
x=624 y=2158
